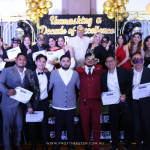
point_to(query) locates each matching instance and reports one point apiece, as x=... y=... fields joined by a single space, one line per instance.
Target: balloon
x=43 y=0
x=33 y=6
x=113 y=9
x=19 y=24
x=137 y=24
x=24 y=24
x=27 y=29
x=120 y=18
x=112 y=1
x=119 y=2
x=126 y=15
x=105 y=11
x=38 y=10
x=115 y=5
x=41 y=4
x=127 y=37
x=33 y=16
x=130 y=34
x=48 y=4
x=31 y=19
x=44 y=11
x=121 y=9
x=107 y=5
x=125 y=1
x=36 y=1
x=130 y=26
x=41 y=15
x=28 y=12
x=28 y=1
x=116 y=10
x=148 y=8
x=28 y=4
x=110 y=15
x=137 y=30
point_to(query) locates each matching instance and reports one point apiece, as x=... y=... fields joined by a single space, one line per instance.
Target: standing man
x=140 y=107
x=80 y=44
x=117 y=78
x=89 y=99
x=11 y=109
x=63 y=81
x=39 y=46
x=38 y=82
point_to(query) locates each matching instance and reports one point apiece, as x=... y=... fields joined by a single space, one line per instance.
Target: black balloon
x=129 y=26
x=130 y=34
x=24 y=24
x=19 y=24
x=127 y=37
x=27 y=29
x=137 y=24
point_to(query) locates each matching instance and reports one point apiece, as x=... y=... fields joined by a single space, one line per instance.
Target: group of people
x=77 y=67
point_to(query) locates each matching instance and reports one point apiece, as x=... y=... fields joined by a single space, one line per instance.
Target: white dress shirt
x=42 y=78
x=137 y=77
x=87 y=69
x=80 y=46
x=22 y=74
x=112 y=81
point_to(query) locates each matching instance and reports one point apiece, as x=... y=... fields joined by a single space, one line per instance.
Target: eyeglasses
x=137 y=60
x=104 y=41
x=108 y=61
x=41 y=38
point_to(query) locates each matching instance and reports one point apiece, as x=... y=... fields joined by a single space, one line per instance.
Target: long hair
x=101 y=36
x=2 y=47
x=52 y=37
x=145 y=40
x=132 y=43
x=124 y=39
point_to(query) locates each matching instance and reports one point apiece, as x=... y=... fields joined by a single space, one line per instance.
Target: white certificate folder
x=38 y=116
x=111 y=97
x=12 y=53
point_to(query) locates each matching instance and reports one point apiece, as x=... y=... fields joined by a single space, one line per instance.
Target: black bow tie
x=40 y=73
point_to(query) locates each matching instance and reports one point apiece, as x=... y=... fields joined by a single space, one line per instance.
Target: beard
x=65 y=68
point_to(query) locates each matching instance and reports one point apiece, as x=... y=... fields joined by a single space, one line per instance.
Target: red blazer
x=90 y=85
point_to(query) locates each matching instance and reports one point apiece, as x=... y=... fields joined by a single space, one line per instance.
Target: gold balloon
x=28 y=12
x=28 y=4
x=105 y=11
x=125 y=1
x=41 y=4
x=112 y=1
x=41 y=15
x=122 y=9
x=110 y=15
x=107 y=5
x=115 y=5
x=33 y=15
x=31 y=19
x=116 y=10
x=120 y=18
x=126 y=15
x=33 y=6
x=113 y=9
x=119 y=2
x=48 y=4
x=38 y=10
x=28 y=1
x=36 y=1
x=43 y=0
x=44 y=10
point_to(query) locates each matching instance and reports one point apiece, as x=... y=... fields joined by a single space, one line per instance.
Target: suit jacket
x=144 y=102
x=123 y=80
x=31 y=83
x=9 y=79
x=90 y=85
x=30 y=63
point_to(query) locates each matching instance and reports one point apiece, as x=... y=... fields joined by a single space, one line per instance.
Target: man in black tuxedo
x=38 y=82
x=117 y=78
x=140 y=107
x=39 y=46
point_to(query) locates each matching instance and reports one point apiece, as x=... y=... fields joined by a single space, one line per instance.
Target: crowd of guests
x=76 y=67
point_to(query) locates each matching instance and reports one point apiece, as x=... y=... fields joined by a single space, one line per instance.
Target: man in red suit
x=89 y=99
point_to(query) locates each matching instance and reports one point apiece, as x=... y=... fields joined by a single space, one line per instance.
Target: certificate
x=36 y=117
x=37 y=53
x=22 y=95
x=12 y=53
x=141 y=91
x=2 y=65
x=111 y=97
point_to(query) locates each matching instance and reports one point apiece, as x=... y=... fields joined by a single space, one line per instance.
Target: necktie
x=89 y=73
x=40 y=73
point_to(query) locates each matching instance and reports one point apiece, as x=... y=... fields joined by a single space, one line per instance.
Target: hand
x=50 y=62
x=53 y=69
x=45 y=70
x=29 y=51
x=123 y=97
x=30 y=111
x=109 y=43
x=118 y=65
x=83 y=67
x=11 y=92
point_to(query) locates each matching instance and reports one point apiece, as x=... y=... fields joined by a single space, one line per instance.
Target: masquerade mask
x=137 y=60
x=41 y=38
x=91 y=58
x=104 y=41
x=80 y=30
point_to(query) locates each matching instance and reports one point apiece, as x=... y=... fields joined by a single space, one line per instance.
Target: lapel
x=48 y=79
x=144 y=76
x=36 y=79
x=17 y=75
x=118 y=75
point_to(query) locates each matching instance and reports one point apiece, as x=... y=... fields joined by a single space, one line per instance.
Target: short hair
x=106 y=37
x=40 y=34
x=40 y=56
x=124 y=39
x=21 y=54
x=80 y=26
x=87 y=55
x=63 y=56
x=101 y=37
x=109 y=55
x=26 y=37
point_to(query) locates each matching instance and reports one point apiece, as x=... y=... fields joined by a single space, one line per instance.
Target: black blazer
x=123 y=80
x=31 y=83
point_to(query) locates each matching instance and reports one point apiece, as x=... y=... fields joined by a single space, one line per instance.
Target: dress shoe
x=45 y=147
x=87 y=147
x=113 y=148
x=128 y=148
x=34 y=147
x=18 y=147
x=71 y=147
x=56 y=147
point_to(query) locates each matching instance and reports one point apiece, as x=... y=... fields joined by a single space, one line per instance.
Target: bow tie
x=40 y=73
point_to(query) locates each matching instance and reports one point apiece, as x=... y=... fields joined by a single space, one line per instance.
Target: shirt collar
x=137 y=71
x=113 y=72
x=63 y=71
x=87 y=68
x=23 y=70
x=39 y=46
x=38 y=72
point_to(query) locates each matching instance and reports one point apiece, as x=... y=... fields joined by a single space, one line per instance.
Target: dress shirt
x=22 y=74
x=87 y=69
x=42 y=78
x=112 y=81
x=137 y=77
x=40 y=47
x=80 y=46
